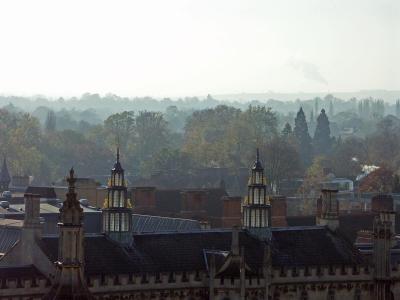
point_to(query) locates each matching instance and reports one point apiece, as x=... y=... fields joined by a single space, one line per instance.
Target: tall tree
x=50 y=124
x=303 y=137
x=121 y=127
x=151 y=134
x=281 y=162
x=322 y=136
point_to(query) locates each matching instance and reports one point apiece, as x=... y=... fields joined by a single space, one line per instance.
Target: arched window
x=123 y=223
x=117 y=222
x=115 y=198
x=112 y=222
x=257 y=219
x=253 y=218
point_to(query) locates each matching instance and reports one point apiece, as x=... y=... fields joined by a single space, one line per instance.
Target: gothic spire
x=117 y=166
x=71 y=212
x=70 y=281
x=257 y=164
x=117 y=212
x=71 y=181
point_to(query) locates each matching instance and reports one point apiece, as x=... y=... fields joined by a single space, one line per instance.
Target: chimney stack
x=235 y=241
x=329 y=209
x=32 y=215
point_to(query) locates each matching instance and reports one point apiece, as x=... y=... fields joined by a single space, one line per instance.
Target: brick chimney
x=278 y=211
x=231 y=212
x=144 y=199
x=382 y=202
x=329 y=209
x=31 y=229
x=193 y=204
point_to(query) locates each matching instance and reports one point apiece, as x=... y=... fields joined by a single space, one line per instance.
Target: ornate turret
x=117 y=209
x=383 y=241
x=70 y=282
x=5 y=178
x=256 y=207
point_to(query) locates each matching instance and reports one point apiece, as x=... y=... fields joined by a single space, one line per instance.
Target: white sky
x=195 y=47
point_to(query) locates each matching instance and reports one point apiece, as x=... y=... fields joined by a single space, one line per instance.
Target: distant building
x=86 y=188
x=255 y=262
x=204 y=205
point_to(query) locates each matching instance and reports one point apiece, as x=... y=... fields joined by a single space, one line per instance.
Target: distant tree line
x=47 y=141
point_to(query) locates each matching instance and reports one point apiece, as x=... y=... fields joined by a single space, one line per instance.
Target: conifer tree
x=303 y=137
x=322 y=136
x=287 y=130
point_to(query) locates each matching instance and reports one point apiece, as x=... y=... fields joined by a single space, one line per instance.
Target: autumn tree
x=151 y=134
x=315 y=175
x=120 y=127
x=347 y=157
x=378 y=181
x=282 y=161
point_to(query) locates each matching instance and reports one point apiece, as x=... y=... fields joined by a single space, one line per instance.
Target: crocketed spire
x=71 y=212
x=117 y=166
x=257 y=164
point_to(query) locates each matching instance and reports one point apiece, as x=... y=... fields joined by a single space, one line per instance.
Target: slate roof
x=8 y=237
x=148 y=224
x=102 y=256
x=185 y=251
x=300 y=220
x=43 y=191
x=28 y=271
x=316 y=245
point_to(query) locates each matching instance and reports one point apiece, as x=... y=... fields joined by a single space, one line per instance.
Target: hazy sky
x=195 y=47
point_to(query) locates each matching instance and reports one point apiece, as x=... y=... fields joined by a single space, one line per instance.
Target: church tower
x=70 y=282
x=117 y=208
x=5 y=178
x=256 y=207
